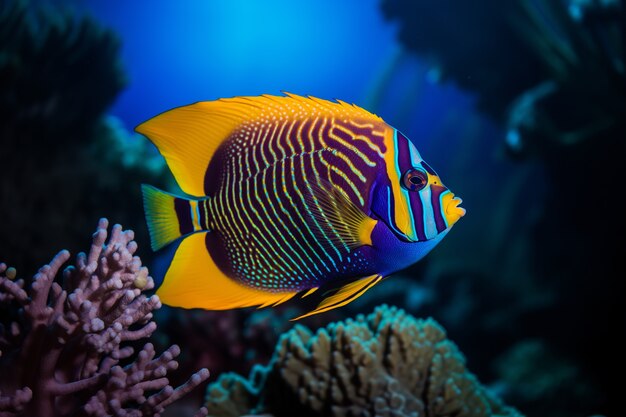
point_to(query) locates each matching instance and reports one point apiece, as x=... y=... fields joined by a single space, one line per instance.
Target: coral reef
x=59 y=73
x=222 y=341
x=535 y=378
x=66 y=347
x=383 y=364
x=229 y=341
x=581 y=98
x=553 y=70
x=60 y=156
x=467 y=46
x=551 y=75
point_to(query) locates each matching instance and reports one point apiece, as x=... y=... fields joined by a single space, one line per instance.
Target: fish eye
x=414 y=179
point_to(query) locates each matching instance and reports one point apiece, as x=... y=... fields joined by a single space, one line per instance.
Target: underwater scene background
x=520 y=106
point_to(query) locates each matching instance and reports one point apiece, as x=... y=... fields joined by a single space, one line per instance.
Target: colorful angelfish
x=289 y=194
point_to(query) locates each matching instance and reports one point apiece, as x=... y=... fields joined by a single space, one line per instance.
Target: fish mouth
x=453 y=211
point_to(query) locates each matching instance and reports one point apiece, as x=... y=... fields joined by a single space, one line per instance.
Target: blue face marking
x=389 y=218
x=399 y=254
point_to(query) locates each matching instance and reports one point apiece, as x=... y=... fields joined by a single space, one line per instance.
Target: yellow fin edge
x=193 y=280
x=344 y=295
x=188 y=136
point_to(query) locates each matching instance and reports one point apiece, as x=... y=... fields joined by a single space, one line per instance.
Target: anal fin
x=193 y=280
x=276 y=301
x=344 y=295
x=309 y=291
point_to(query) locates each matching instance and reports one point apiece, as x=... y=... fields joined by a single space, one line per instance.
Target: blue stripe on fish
x=438 y=192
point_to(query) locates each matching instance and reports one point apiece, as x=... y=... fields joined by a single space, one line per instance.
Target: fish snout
x=452 y=211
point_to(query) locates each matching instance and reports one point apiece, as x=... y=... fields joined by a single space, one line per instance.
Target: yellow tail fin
x=161 y=217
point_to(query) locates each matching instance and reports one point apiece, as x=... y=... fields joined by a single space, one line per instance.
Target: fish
x=286 y=195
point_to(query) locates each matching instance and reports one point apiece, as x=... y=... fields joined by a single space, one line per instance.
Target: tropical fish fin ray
x=344 y=295
x=193 y=280
x=189 y=136
x=161 y=217
x=287 y=297
x=333 y=106
x=341 y=220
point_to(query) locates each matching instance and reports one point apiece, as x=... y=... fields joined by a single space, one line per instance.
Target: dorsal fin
x=344 y=295
x=188 y=136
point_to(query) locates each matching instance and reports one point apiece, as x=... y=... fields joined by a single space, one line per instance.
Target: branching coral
x=65 y=347
x=385 y=364
x=222 y=341
x=227 y=341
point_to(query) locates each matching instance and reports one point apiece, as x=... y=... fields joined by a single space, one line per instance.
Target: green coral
x=385 y=364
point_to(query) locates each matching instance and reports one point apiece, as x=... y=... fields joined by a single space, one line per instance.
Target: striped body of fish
x=290 y=194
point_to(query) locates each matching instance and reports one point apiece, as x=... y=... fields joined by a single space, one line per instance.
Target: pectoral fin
x=344 y=295
x=344 y=223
